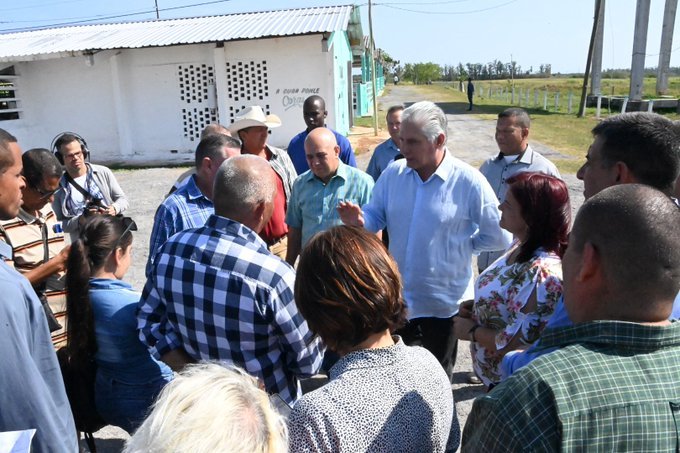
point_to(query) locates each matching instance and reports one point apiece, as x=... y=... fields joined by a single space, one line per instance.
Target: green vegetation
x=564 y=132
x=422 y=73
x=610 y=87
x=367 y=121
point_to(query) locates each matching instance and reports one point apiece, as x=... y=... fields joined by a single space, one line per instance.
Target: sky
x=530 y=32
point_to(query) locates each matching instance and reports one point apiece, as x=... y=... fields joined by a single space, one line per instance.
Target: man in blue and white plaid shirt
x=217 y=293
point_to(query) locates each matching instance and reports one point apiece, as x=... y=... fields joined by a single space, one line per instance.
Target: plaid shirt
x=614 y=386
x=217 y=292
x=283 y=166
x=187 y=207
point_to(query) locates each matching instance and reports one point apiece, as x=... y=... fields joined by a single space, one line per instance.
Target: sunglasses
x=130 y=225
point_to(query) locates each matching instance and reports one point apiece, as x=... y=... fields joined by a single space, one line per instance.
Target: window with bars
x=196 y=83
x=247 y=84
x=9 y=98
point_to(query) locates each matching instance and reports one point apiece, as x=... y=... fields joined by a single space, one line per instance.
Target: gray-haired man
x=438 y=212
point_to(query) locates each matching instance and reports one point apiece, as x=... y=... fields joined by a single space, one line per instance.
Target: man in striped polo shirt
x=38 y=247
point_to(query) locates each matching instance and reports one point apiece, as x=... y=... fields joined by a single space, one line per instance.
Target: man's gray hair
x=241 y=183
x=211 y=407
x=428 y=117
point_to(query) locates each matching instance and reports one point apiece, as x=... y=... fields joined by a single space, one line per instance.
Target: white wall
x=64 y=95
x=127 y=104
x=297 y=68
x=151 y=88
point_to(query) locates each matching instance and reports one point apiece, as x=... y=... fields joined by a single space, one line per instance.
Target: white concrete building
x=142 y=92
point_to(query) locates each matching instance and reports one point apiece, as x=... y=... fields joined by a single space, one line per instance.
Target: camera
x=94 y=206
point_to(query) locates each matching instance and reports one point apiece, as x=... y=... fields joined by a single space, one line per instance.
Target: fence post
x=512 y=100
x=625 y=105
x=526 y=98
x=519 y=97
x=599 y=106
x=545 y=99
x=650 y=106
x=557 y=101
x=570 y=100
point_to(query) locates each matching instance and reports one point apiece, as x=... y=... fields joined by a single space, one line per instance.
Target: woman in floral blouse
x=516 y=295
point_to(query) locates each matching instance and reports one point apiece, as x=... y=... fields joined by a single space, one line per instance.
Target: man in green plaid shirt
x=614 y=384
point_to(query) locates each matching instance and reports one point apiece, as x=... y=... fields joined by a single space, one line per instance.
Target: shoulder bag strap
x=79 y=188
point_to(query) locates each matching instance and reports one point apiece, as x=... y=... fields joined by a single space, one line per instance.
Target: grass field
x=610 y=87
x=557 y=129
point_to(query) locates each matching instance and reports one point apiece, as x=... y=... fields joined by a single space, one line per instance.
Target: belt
x=272 y=243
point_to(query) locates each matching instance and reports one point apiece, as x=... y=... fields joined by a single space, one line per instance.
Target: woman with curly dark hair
x=382 y=395
x=102 y=322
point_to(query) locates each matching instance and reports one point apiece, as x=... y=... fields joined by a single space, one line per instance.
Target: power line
x=426 y=3
x=391 y=5
x=117 y=16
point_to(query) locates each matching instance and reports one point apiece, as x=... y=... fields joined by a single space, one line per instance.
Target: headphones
x=63 y=139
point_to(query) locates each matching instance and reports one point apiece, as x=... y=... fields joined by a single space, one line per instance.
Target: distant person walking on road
x=470 y=92
x=396 y=79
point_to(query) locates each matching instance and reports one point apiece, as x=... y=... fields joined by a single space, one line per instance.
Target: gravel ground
x=470 y=139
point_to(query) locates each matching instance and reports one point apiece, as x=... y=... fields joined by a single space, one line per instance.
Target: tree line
x=421 y=73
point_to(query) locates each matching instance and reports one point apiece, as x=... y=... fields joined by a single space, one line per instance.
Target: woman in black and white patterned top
x=383 y=396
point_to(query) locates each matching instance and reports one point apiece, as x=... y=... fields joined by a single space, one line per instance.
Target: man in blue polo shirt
x=317 y=192
x=314 y=113
x=385 y=153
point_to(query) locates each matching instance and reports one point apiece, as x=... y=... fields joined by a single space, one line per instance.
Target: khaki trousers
x=280 y=248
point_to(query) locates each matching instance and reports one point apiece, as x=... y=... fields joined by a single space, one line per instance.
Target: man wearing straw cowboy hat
x=252 y=126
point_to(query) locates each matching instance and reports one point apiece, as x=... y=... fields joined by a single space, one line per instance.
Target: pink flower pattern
x=501 y=293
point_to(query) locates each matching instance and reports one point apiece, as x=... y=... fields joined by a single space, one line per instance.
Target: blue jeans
x=123 y=404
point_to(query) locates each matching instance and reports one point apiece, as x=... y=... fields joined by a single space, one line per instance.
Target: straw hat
x=253 y=116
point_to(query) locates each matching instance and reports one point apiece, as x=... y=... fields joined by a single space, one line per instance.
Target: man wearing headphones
x=86 y=189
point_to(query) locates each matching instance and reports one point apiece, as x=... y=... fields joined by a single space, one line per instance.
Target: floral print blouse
x=501 y=293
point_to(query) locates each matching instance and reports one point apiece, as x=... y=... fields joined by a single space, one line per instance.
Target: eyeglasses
x=73 y=156
x=45 y=194
x=130 y=225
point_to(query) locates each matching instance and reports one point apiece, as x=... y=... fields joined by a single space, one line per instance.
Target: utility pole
x=584 y=90
x=637 y=66
x=666 y=45
x=596 y=69
x=373 y=74
x=157 y=15
x=512 y=72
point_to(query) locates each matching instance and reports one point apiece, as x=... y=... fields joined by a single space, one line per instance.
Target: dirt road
x=470 y=139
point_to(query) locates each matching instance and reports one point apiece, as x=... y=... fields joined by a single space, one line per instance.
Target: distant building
x=143 y=91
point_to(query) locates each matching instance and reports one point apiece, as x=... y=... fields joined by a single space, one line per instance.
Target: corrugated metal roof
x=328 y=19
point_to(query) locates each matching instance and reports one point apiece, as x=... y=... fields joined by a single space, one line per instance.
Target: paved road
x=470 y=139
